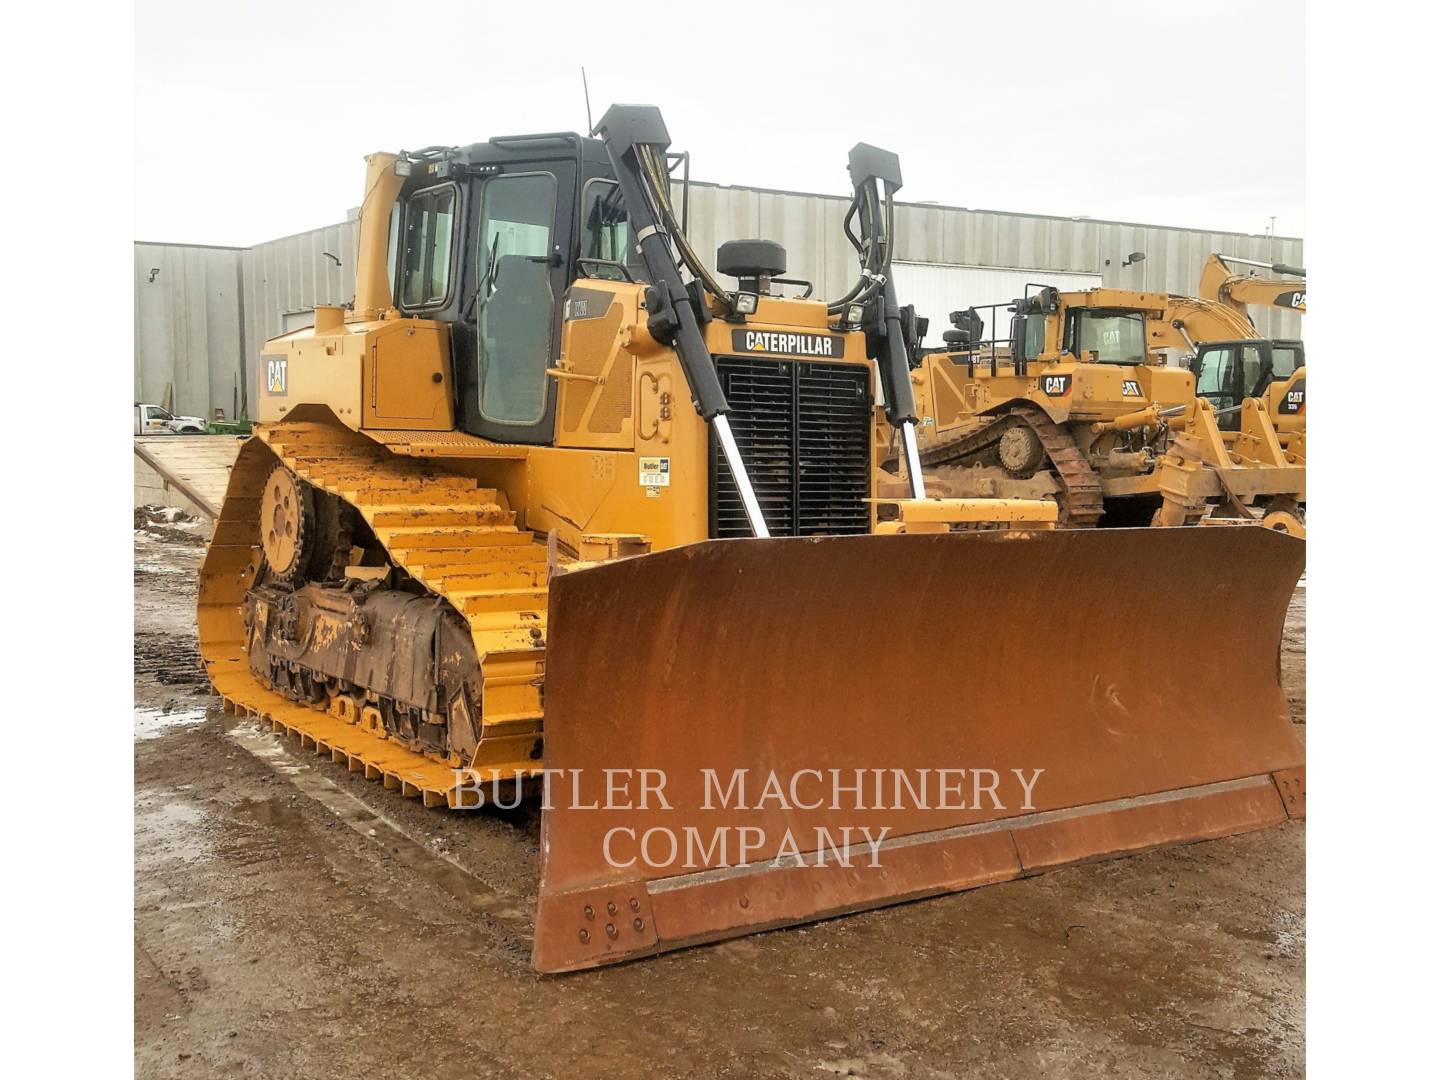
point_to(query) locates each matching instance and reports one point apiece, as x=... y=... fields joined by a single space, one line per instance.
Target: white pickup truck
x=153 y=420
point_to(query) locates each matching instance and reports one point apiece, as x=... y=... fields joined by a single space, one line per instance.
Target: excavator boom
x=1221 y=282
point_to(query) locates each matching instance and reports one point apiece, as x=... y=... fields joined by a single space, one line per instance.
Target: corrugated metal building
x=202 y=313
x=189 y=310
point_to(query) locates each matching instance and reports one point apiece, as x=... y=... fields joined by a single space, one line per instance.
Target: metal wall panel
x=193 y=326
x=290 y=276
x=188 y=302
x=809 y=227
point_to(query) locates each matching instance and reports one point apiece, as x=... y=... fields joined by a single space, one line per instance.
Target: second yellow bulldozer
x=551 y=512
x=1077 y=403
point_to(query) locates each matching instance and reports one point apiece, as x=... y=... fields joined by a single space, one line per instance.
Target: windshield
x=1116 y=337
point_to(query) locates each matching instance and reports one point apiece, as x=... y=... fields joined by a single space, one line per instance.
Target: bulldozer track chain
x=451 y=535
x=1081 y=500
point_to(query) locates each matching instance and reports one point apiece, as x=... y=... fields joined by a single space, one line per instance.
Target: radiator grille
x=803 y=430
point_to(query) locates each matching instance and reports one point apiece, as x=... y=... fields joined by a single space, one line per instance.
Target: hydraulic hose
x=659 y=183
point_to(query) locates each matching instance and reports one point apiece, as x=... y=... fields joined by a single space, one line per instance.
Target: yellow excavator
x=1078 y=404
x=1220 y=281
x=1230 y=368
x=550 y=512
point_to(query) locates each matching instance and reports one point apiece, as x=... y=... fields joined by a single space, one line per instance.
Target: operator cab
x=489 y=238
x=1228 y=372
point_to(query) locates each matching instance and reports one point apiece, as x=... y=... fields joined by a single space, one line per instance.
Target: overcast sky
x=251 y=119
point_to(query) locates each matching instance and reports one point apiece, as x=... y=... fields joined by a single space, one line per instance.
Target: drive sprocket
x=287 y=523
x=305 y=533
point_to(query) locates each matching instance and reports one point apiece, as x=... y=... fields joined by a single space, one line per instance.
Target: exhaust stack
x=373 y=296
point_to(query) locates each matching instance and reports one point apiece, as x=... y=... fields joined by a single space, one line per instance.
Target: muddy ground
x=293 y=920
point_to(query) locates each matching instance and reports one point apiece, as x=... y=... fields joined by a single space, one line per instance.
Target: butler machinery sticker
x=654 y=474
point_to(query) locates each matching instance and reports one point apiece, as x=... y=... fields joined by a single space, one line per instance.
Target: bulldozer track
x=456 y=538
x=1081 y=499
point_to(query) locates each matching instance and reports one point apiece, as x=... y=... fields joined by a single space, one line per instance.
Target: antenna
x=589 y=123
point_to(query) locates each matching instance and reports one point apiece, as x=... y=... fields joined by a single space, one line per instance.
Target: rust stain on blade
x=1121 y=665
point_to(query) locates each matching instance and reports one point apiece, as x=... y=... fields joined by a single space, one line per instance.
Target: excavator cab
x=1228 y=372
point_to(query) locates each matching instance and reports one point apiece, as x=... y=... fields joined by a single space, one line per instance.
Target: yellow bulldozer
x=550 y=512
x=1077 y=403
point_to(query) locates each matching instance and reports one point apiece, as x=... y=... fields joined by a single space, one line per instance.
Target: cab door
x=522 y=256
x=1218 y=375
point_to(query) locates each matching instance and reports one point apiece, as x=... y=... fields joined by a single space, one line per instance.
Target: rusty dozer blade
x=784 y=722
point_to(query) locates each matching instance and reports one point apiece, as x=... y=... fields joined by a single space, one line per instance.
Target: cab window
x=1116 y=337
x=1286 y=359
x=1250 y=368
x=516 y=300
x=1214 y=369
x=1034 y=336
x=427 y=246
x=604 y=224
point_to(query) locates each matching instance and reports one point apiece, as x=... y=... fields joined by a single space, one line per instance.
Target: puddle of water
x=152 y=723
x=170 y=830
x=179 y=814
x=159 y=555
x=160 y=568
